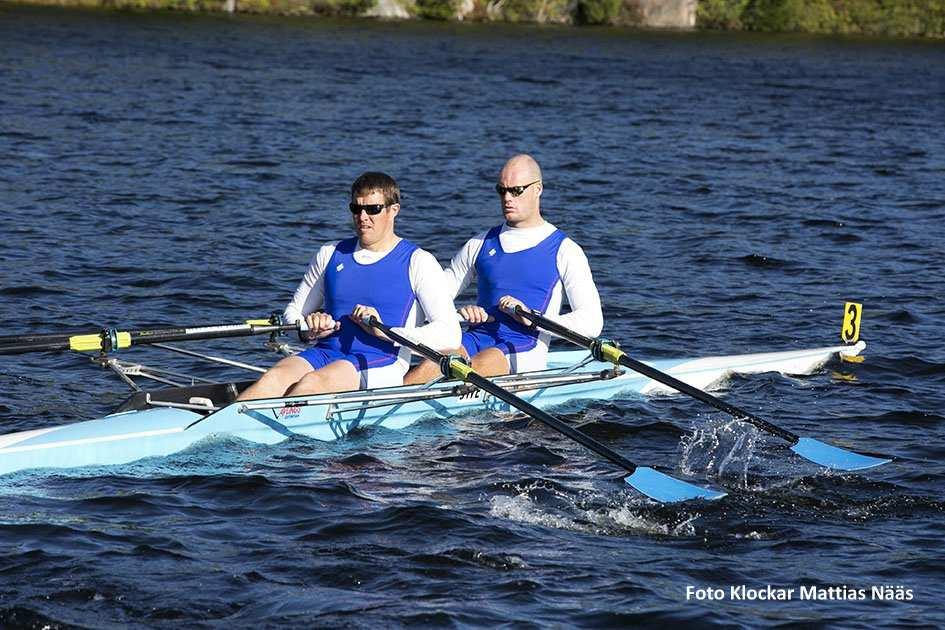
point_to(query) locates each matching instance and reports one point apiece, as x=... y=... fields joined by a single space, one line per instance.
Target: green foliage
x=435 y=9
x=815 y=16
x=903 y=18
x=598 y=11
x=720 y=14
x=872 y=17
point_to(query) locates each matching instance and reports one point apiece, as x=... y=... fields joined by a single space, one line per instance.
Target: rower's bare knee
x=429 y=370
x=491 y=362
x=277 y=380
x=311 y=383
x=338 y=376
x=425 y=372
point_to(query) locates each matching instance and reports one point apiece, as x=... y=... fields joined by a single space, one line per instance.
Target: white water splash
x=752 y=535
x=624 y=518
x=720 y=449
x=613 y=519
x=522 y=509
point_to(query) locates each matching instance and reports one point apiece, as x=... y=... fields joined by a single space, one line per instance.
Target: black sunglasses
x=371 y=208
x=515 y=191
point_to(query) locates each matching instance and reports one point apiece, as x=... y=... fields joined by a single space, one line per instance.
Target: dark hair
x=376 y=182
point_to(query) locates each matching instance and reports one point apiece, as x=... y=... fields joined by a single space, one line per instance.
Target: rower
x=376 y=273
x=526 y=261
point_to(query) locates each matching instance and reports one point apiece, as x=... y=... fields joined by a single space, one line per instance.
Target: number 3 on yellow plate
x=850 y=331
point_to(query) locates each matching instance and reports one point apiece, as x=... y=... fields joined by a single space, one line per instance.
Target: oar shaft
x=453 y=367
x=698 y=394
x=550 y=421
x=63 y=337
x=110 y=339
x=610 y=352
x=23 y=348
x=206 y=332
x=6 y=340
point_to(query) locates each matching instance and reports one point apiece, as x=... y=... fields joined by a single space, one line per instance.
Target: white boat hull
x=126 y=437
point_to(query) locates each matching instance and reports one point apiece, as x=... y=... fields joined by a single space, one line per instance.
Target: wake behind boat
x=165 y=421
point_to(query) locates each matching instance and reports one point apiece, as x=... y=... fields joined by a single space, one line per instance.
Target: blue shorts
x=486 y=336
x=319 y=357
x=370 y=373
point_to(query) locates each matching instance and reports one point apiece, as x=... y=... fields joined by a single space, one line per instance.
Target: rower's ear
x=394 y=209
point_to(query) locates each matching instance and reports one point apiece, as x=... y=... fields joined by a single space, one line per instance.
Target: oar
x=809 y=448
x=112 y=339
x=650 y=482
x=44 y=338
x=6 y=340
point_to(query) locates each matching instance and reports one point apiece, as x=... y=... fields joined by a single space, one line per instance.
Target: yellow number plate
x=850 y=332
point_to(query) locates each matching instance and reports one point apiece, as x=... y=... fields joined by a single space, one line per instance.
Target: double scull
x=168 y=420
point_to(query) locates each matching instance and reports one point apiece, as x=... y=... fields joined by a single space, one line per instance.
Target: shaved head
x=521 y=166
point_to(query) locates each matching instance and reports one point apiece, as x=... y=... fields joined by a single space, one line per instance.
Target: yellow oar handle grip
x=91 y=343
x=611 y=354
x=605 y=350
x=459 y=370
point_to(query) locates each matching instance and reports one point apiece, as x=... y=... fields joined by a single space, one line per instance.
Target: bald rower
x=525 y=261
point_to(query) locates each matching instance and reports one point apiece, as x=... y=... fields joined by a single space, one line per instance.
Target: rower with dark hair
x=375 y=273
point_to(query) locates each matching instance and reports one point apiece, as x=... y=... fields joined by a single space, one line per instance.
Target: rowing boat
x=166 y=421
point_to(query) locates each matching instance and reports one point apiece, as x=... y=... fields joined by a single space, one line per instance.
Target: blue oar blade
x=666 y=489
x=834 y=456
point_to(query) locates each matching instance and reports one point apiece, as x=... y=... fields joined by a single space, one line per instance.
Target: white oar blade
x=834 y=456
x=666 y=489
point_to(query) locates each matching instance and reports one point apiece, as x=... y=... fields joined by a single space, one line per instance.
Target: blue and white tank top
x=384 y=284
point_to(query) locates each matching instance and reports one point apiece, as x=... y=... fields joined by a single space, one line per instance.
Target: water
x=730 y=191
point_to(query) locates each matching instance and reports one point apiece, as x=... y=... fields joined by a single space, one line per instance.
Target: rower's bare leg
x=337 y=376
x=428 y=370
x=277 y=379
x=491 y=362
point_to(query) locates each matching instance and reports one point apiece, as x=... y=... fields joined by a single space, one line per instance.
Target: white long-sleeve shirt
x=441 y=332
x=576 y=283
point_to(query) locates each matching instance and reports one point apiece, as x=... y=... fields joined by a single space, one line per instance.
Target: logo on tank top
x=340 y=267
x=492 y=252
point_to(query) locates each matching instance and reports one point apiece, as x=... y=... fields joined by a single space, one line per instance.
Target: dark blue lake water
x=731 y=191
